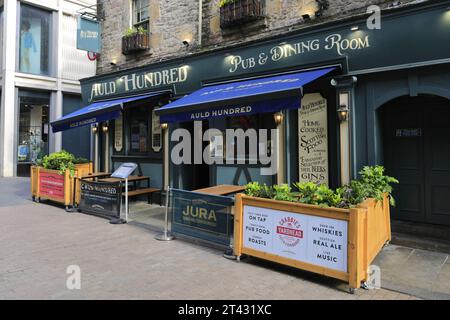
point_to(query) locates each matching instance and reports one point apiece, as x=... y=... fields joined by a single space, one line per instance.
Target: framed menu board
x=313 y=139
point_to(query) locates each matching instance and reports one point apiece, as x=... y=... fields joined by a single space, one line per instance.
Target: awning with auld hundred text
x=96 y=112
x=271 y=94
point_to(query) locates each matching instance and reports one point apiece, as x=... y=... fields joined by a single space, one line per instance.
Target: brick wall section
x=172 y=21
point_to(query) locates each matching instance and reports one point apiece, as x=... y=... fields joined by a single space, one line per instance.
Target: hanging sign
x=313 y=139
x=315 y=240
x=118 y=134
x=88 y=35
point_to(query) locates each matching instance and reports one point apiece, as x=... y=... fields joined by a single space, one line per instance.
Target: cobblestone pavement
x=39 y=241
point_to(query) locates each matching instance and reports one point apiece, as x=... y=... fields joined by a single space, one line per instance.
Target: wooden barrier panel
x=339 y=243
x=51 y=185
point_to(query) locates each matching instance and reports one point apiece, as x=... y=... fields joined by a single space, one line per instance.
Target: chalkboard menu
x=100 y=198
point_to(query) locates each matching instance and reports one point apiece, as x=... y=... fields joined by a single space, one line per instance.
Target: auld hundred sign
x=139 y=81
x=363 y=50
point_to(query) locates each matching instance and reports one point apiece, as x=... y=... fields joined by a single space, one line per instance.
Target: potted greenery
x=337 y=233
x=53 y=177
x=237 y=12
x=134 y=40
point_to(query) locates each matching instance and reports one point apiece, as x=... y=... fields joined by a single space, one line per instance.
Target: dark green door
x=417 y=152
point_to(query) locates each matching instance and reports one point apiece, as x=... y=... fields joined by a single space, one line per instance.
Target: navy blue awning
x=96 y=112
x=271 y=94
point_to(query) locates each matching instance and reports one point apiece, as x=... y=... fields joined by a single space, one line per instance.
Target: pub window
x=139 y=135
x=144 y=131
x=256 y=122
x=140 y=14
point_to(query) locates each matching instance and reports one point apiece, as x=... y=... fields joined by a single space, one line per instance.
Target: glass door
x=33 y=133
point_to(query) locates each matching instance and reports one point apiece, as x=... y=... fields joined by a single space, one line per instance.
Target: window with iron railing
x=141 y=14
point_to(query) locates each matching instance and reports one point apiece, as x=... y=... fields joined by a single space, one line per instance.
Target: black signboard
x=101 y=198
x=202 y=216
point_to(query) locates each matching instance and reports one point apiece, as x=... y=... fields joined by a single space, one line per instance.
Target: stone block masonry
x=173 y=21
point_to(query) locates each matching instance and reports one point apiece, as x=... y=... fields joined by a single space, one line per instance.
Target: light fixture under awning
x=97 y=112
x=271 y=94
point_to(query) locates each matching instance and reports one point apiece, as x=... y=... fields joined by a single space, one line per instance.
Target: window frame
x=128 y=115
x=51 y=54
x=146 y=22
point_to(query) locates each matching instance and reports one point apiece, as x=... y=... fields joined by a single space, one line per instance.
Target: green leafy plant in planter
x=223 y=3
x=61 y=161
x=133 y=31
x=321 y=195
x=373 y=183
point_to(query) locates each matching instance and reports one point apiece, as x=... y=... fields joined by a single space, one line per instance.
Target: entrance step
x=411 y=241
x=421 y=230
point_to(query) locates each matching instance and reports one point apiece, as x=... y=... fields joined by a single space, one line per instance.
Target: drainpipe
x=200 y=21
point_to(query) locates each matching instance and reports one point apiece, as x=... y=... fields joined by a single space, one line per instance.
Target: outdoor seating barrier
x=339 y=243
x=202 y=216
x=56 y=187
x=102 y=199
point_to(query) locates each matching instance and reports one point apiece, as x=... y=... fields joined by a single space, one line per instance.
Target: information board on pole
x=124 y=171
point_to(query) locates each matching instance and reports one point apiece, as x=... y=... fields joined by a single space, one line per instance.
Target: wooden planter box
x=135 y=43
x=339 y=243
x=50 y=185
x=241 y=12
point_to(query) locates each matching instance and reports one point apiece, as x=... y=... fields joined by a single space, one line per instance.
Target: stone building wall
x=172 y=21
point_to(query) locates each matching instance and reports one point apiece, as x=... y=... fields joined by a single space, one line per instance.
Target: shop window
x=33 y=129
x=34 y=52
x=140 y=9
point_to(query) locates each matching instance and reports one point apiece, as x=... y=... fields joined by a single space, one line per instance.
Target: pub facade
x=343 y=94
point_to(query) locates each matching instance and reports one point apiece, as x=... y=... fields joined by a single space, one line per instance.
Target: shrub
x=225 y=2
x=371 y=184
x=61 y=161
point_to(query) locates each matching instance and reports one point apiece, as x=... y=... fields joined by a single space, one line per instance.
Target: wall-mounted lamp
x=113 y=63
x=105 y=127
x=343 y=112
x=186 y=43
x=278 y=117
x=164 y=126
x=354 y=28
x=306 y=17
x=95 y=129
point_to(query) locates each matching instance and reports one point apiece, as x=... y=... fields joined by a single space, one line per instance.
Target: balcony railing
x=240 y=12
x=135 y=43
